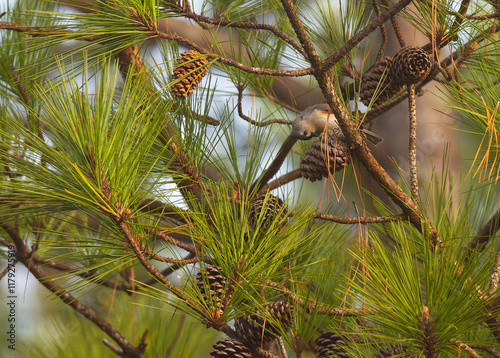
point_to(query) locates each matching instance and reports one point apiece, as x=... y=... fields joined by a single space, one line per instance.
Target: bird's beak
x=314 y=134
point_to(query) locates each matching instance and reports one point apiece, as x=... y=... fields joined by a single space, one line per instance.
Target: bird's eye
x=305 y=133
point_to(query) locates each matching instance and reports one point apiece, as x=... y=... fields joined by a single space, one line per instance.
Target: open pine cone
x=191 y=69
x=329 y=345
x=230 y=348
x=410 y=65
x=322 y=159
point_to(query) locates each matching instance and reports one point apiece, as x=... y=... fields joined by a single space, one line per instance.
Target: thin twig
x=311 y=305
x=395 y=25
x=361 y=35
x=281 y=345
x=466 y=348
x=488 y=349
x=413 y=143
x=247 y=25
x=133 y=242
x=356 y=220
x=383 y=31
x=240 y=88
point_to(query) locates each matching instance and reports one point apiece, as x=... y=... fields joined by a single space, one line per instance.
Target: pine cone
x=282 y=312
x=215 y=282
x=230 y=348
x=191 y=69
x=410 y=65
x=272 y=206
x=390 y=352
x=252 y=330
x=329 y=344
x=256 y=331
x=318 y=161
x=378 y=80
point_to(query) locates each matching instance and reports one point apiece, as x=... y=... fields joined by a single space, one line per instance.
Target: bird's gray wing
x=322 y=107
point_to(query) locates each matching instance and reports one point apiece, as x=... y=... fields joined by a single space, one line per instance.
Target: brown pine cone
x=322 y=159
x=329 y=345
x=215 y=282
x=253 y=330
x=378 y=81
x=272 y=206
x=410 y=65
x=230 y=348
x=188 y=74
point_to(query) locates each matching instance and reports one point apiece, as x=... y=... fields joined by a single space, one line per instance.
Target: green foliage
x=127 y=199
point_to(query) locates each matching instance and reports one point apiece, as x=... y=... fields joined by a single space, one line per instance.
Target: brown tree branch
x=275 y=165
x=240 y=88
x=282 y=180
x=412 y=104
x=356 y=39
x=357 y=220
x=247 y=25
x=24 y=255
x=355 y=141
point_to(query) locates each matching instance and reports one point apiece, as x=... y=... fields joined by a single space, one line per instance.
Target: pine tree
x=152 y=184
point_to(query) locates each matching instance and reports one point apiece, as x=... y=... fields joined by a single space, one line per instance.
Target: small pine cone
x=391 y=352
x=318 y=161
x=272 y=206
x=230 y=348
x=191 y=69
x=410 y=65
x=329 y=345
x=215 y=282
x=378 y=80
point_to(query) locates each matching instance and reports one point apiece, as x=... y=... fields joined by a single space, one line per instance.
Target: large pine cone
x=272 y=206
x=215 y=282
x=378 y=81
x=319 y=160
x=329 y=345
x=410 y=65
x=256 y=331
x=230 y=348
x=191 y=69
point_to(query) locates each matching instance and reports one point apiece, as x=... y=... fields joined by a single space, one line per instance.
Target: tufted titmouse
x=312 y=121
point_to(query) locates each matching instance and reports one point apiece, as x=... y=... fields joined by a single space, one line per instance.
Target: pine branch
x=24 y=255
x=246 y=25
x=396 y=28
x=361 y=35
x=357 y=220
x=356 y=143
